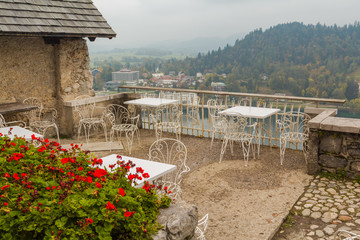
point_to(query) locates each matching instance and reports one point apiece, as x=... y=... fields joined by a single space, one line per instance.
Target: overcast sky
x=139 y=23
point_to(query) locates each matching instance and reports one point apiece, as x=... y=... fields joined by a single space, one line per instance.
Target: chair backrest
x=244 y=101
x=35 y=114
x=238 y=125
x=84 y=106
x=262 y=103
x=294 y=122
x=201 y=227
x=346 y=235
x=169 y=113
x=171 y=151
x=214 y=109
x=117 y=114
x=2 y=121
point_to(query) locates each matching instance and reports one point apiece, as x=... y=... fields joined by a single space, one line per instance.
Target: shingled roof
x=53 y=18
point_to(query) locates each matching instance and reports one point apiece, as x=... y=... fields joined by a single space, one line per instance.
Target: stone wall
x=27 y=68
x=334 y=144
x=54 y=72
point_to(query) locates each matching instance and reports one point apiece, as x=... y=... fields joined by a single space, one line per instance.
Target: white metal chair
x=218 y=122
x=346 y=235
x=238 y=130
x=167 y=119
x=171 y=151
x=41 y=119
x=201 y=227
x=85 y=107
x=122 y=122
x=3 y=123
x=171 y=189
x=293 y=129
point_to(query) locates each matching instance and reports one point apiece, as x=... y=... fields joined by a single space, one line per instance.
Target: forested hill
x=303 y=60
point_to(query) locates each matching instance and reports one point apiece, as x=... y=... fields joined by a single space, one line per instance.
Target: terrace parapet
x=334 y=144
x=70 y=118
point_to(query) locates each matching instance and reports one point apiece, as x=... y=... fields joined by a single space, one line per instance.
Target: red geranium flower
x=17 y=156
x=89 y=179
x=4 y=187
x=98 y=173
x=127 y=214
x=64 y=160
x=7 y=175
x=5 y=203
x=41 y=149
x=110 y=206
x=146 y=175
x=16 y=176
x=121 y=192
x=98 y=185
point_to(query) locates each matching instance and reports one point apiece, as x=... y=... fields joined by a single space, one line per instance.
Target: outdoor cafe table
x=154 y=169
x=253 y=112
x=20 y=132
x=150 y=104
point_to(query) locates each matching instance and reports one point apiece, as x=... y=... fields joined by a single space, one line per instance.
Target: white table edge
x=230 y=113
x=173 y=168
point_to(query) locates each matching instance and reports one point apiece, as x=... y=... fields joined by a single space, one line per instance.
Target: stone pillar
x=73 y=78
x=313 y=166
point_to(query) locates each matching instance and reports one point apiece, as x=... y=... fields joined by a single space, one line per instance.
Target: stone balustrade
x=334 y=143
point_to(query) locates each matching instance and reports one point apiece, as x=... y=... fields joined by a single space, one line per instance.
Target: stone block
x=179 y=221
x=353 y=148
x=332 y=161
x=330 y=143
x=355 y=166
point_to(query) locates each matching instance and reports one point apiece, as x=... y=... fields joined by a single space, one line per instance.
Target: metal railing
x=195 y=120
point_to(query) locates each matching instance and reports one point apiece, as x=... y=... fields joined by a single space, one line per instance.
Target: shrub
x=48 y=192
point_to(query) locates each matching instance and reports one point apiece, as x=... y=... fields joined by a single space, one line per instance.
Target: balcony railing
x=195 y=120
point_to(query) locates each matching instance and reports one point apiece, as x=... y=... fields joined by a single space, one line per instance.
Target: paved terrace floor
x=249 y=202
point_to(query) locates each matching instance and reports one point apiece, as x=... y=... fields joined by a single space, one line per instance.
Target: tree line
x=293 y=58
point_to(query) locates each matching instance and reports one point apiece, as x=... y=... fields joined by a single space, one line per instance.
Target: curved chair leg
x=305 y=150
x=129 y=139
x=223 y=149
x=57 y=133
x=212 y=137
x=111 y=138
x=138 y=135
x=105 y=132
x=282 y=150
x=246 y=150
x=231 y=143
x=87 y=133
x=79 y=131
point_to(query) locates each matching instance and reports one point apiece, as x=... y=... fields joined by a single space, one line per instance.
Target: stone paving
x=335 y=203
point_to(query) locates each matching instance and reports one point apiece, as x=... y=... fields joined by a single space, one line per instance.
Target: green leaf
x=61 y=222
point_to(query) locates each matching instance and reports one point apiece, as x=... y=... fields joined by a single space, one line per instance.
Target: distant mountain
x=305 y=60
x=173 y=47
x=194 y=46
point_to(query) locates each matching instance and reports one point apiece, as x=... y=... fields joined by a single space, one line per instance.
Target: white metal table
x=149 y=105
x=251 y=112
x=152 y=102
x=19 y=131
x=154 y=169
x=254 y=112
